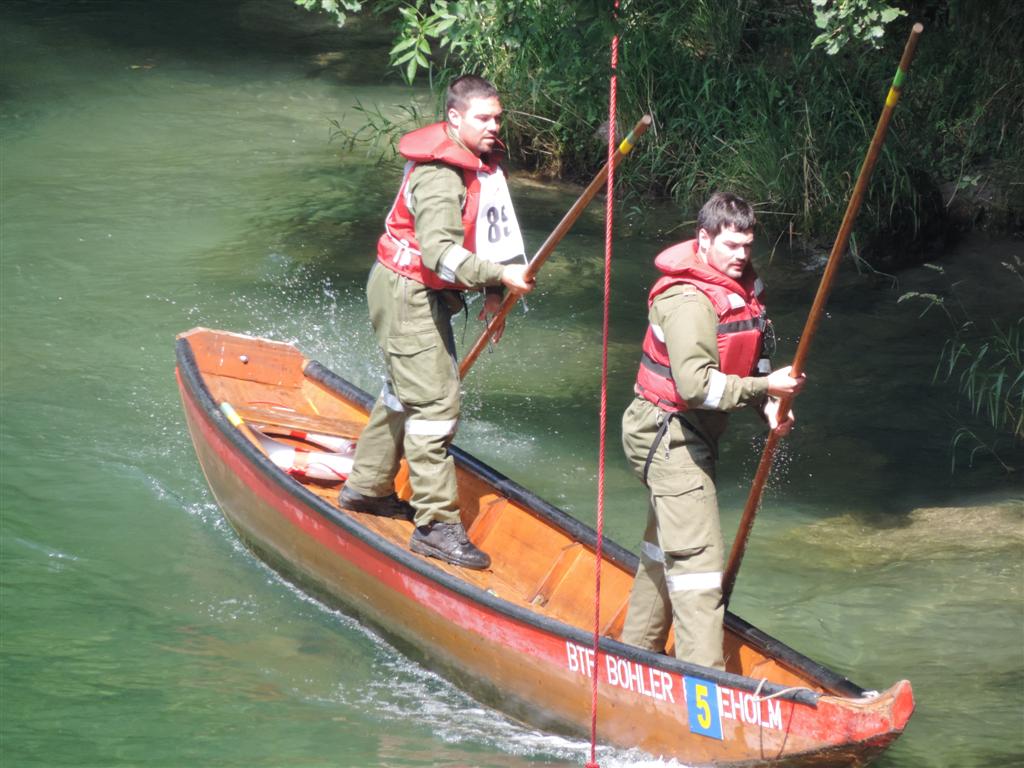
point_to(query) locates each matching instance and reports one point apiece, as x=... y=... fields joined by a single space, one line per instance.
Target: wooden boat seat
x=280 y=417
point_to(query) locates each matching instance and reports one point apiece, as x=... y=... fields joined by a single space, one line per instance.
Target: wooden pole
x=241 y=426
x=553 y=240
x=817 y=310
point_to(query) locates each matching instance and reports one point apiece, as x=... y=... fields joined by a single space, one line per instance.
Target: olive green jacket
x=437 y=194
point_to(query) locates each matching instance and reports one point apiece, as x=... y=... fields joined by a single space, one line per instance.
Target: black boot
x=448 y=542
x=384 y=506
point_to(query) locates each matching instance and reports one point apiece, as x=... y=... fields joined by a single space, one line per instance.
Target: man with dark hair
x=451 y=228
x=466 y=87
x=703 y=356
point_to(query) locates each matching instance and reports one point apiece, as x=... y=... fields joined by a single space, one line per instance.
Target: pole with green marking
x=817 y=310
x=554 y=239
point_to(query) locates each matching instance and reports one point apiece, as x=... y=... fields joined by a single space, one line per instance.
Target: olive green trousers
x=679 y=579
x=417 y=412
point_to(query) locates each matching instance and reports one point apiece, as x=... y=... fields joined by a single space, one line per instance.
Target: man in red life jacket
x=702 y=357
x=451 y=228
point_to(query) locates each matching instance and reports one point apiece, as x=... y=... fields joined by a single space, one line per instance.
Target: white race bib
x=498 y=238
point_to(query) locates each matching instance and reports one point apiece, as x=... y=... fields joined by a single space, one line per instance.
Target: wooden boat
x=517 y=636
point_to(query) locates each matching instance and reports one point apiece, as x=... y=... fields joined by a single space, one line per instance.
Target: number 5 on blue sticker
x=702 y=707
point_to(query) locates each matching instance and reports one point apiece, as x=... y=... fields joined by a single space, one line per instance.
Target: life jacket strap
x=736 y=326
x=655 y=367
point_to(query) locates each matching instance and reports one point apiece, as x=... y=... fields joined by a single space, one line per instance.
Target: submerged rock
x=925 y=532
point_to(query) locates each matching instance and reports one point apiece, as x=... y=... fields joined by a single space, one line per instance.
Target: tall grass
x=984 y=360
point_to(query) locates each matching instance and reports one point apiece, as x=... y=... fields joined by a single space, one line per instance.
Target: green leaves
x=337 y=8
x=423 y=27
x=845 y=21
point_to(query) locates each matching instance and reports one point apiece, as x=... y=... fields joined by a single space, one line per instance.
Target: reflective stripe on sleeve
x=683 y=582
x=429 y=427
x=652 y=552
x=716 y=388
x=451 y=261
x=658 y=333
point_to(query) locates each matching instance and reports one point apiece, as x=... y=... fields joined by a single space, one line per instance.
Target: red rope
x=598 y=553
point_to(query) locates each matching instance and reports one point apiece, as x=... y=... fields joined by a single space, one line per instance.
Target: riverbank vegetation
x=983 y=359
x=743 y=99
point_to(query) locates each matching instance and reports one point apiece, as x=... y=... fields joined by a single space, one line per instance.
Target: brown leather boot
x=448 y=542
x=385 y=506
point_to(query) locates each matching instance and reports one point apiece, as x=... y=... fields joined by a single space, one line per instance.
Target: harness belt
x=663 y=428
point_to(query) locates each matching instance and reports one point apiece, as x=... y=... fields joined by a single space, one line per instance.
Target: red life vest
x=397 y=248
x=741 y=323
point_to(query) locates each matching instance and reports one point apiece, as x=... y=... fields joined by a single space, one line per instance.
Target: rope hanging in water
x=608 y=216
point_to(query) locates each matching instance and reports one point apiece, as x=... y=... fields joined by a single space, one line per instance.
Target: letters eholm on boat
x=518 y=635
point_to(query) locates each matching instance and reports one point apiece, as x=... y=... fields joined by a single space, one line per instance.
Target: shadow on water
x=222 y=35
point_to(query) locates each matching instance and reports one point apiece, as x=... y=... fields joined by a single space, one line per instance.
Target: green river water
x=167 y=165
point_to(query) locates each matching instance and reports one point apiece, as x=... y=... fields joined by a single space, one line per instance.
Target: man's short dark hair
x=466 y=87
x=724 y=209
